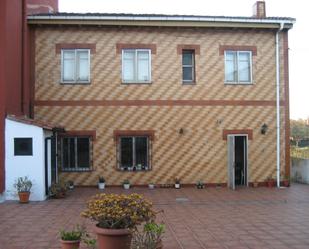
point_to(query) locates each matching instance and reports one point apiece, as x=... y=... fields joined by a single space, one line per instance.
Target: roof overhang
x=34 y=122
x=160 y=21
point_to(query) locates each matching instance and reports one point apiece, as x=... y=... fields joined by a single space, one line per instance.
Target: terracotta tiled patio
x=208 y=218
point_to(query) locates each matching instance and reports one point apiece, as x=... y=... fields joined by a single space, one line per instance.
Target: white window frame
x=76 y=63
x=237 y=56
x=189 y=66
x=135 y=67
x=134 y=152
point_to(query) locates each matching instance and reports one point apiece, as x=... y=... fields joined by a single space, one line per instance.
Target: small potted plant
x=270 y=182
x=151 y=185
x=101 y=183
x=70 y=184
x=58 y=190
x=255 y=184
x=286 y=181
x=116 y=216
x=126 y=184
x=23 y=186
x=150 y=237
x=177 y=183
x=71 y=239
x=200 y=185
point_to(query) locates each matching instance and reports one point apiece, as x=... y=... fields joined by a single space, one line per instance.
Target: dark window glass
x=23 y=146
x=76 y=153
x=187 y=58
x=187 y=73
x=141 y=151
x=83 y=158
x=65 y=152
x=133 y=153
x=126 y=148
x=72 y=153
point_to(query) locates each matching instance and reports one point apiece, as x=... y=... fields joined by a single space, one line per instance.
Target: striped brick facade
x=204 y=110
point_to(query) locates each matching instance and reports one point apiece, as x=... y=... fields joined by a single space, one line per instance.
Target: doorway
x=237 y=160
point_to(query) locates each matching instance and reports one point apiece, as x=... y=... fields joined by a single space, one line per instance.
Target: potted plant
x=126 y=184
x=200 y=185
x=116 y=216
x=255 y=184
x=151 y=185
x=101 y=183
x=286 y=181
x=270 y=182
x=71 y=239
x=70 y=184
x=177 y=183
x=23 y=186
x=150 y=237
x=58 y=190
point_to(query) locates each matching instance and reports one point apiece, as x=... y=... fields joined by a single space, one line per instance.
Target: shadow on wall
x=300 y=170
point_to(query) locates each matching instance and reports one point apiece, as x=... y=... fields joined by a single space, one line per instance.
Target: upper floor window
x=76 y=153
x=188 y=68
x=75 y=65
x=136 y=65
x=238 y=67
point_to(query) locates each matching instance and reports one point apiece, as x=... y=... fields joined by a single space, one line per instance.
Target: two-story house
x=151 y=98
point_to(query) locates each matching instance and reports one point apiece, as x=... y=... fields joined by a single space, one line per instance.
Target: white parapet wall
x=300 y=170
x=32 y=166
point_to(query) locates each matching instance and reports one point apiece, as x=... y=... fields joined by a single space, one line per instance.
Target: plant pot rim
x=112 y=232
x=69 y=241
x=22 y=192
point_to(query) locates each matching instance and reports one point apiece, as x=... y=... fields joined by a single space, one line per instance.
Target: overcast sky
x=298 y=36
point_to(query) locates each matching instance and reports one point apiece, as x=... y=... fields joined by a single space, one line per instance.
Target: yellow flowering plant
x=119 y=211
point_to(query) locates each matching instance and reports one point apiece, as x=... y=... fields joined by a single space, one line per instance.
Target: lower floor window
x=75 y=153
x=133 y=153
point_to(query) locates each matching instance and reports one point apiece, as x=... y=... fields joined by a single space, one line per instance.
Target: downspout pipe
x=278 y=100
x=46 y=165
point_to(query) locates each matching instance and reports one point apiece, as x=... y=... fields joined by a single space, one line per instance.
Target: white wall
x=31 y=166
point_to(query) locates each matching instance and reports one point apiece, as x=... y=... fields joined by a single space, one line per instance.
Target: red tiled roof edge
x=29 y=121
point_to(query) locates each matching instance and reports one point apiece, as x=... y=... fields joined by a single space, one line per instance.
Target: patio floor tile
x=212 y=218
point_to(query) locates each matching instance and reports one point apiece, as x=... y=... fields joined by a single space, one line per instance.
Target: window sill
x=134 y=171
x=75 y=83
x=238 y=83
x=137 y=83
x=186 y=83
x=76 y=170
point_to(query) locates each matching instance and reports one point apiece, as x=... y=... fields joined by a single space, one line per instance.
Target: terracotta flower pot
x=113 y=238
x=271 y=183
x=159 y=245
x=255 y=184
x=286 y=183
x=23 y=197
x=70 y=244
x=59 y=195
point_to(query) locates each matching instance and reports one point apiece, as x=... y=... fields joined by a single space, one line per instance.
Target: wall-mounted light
x=181 y=131
x=264 y=129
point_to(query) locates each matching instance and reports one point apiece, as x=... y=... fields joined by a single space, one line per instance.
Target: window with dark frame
x=76 y=153
x=188 y=67
x=23 y=146
x=133 y=153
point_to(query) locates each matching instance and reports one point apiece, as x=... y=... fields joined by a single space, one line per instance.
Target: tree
x=299 y=128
